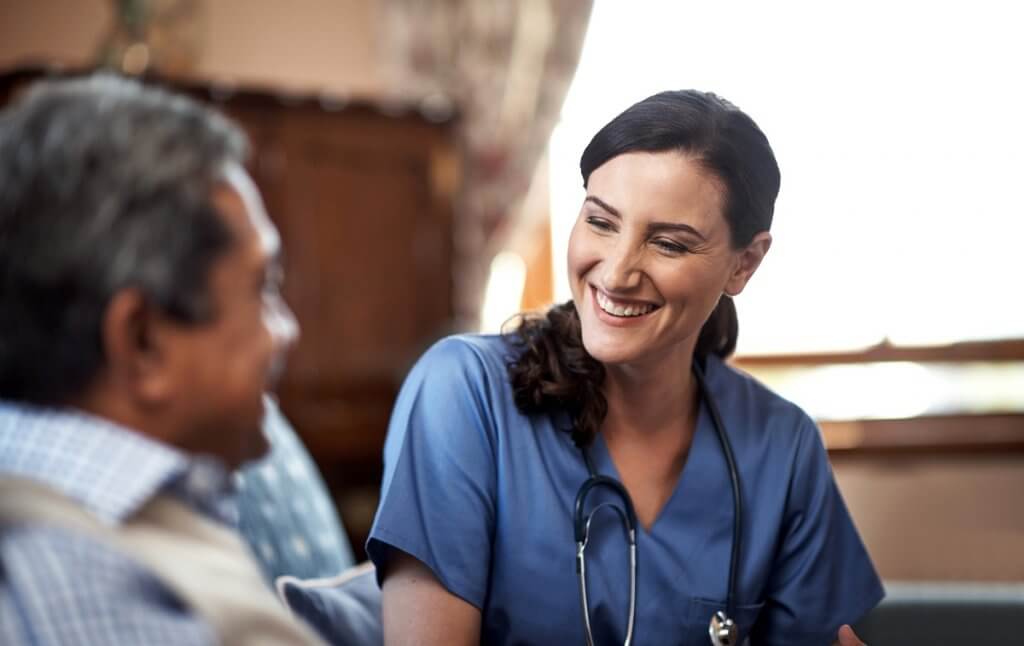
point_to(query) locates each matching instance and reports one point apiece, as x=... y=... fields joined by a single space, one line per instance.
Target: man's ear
x=135 y=347
x=747 y=262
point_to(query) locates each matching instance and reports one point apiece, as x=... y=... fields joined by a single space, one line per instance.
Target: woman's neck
x=652 y=416
x=649 y=400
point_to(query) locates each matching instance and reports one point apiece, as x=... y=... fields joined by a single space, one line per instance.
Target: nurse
x=491 y=436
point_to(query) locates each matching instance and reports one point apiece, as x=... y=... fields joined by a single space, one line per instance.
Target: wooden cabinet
x=363 y=202
x=366 y=227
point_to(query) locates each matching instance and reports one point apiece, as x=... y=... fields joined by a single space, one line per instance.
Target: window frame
x=996 y=432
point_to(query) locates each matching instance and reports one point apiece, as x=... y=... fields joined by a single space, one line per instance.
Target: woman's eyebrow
x=661 y=227
x=653 y=227
x=604 y=205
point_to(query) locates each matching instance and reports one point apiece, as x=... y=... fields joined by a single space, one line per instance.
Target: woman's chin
x=610 y=351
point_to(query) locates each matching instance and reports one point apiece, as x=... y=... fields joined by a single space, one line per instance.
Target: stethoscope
x=722 y=629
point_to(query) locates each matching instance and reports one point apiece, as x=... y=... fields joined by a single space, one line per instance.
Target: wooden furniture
x=363 y=202
x=362 y=195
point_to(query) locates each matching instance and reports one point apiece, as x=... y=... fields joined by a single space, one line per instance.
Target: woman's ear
x=136 y=356
x=747 y=261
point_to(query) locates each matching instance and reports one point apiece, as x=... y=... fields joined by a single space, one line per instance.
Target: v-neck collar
x=694 y=468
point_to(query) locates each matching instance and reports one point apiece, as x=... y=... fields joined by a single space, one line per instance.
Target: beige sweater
x=205 y=564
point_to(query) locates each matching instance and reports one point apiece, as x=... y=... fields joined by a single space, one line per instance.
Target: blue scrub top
x=484 y=495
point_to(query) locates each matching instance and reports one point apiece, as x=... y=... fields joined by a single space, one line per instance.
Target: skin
x=847 y=637
x=651 y=236
x=200 y=387
x=417 y=609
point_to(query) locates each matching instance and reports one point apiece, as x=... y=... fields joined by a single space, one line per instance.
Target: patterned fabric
x=60 y=588
x=285 y=512
x=507 y=67
x=345 y=609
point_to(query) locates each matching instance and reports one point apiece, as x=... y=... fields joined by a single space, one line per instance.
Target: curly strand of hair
x=554 y=372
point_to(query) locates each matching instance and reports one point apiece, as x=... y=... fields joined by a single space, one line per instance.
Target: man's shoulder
x=62 y=587
x=52 y=548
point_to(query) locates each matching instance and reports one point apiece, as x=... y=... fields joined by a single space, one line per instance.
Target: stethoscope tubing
x=581 y=531
x=581 y=521
x=737 y=492
x=581 y=568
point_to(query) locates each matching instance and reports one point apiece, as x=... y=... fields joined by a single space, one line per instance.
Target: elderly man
x=140 y=322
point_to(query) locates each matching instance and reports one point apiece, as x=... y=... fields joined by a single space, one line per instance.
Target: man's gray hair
x=105 y=184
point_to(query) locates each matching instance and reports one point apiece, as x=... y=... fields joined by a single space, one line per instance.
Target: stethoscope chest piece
x=723 y=630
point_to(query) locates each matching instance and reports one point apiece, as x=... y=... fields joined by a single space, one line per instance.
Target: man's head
x=137 y=265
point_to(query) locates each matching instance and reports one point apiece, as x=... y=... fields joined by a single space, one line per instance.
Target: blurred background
x=421 y=161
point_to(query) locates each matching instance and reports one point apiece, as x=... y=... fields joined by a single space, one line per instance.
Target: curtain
x=506 y=67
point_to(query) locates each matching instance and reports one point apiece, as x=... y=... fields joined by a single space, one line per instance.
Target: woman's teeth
x=615 y=309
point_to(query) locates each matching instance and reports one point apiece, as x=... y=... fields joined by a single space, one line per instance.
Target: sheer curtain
x=899 y=132
x=506 y=66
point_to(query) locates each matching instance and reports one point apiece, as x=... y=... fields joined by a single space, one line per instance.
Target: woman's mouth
x=622 y=309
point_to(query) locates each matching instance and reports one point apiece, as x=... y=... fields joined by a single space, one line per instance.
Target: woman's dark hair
x=553 y=370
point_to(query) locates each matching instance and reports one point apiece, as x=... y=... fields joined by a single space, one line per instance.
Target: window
x=899 y=132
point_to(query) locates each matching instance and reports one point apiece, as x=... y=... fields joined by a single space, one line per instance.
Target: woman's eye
x=599 y=223
x=670 y=246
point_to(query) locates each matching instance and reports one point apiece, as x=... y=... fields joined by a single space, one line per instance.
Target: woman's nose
x=622 y=268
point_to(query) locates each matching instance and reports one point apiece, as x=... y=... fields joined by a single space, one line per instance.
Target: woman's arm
x=432 y=537
x=417 y=609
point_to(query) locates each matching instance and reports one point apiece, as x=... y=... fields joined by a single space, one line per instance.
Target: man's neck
x=125 y=411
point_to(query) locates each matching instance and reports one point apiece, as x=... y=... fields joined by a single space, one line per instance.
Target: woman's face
x=650 y=255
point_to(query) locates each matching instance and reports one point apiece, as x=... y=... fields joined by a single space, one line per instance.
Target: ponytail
x=719 y=334
x=554 y=371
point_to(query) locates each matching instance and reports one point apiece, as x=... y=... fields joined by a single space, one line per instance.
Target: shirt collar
x=107 y=468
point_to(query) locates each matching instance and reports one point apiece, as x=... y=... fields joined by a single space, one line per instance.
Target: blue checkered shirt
x=59 y=587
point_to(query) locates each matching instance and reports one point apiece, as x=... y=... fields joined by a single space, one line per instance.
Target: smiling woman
x=656 y=264
x=623 y=390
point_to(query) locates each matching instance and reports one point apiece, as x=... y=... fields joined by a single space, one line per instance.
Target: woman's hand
x=847 y=637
